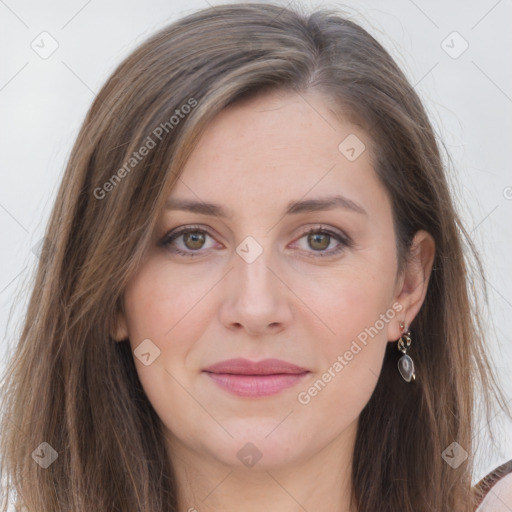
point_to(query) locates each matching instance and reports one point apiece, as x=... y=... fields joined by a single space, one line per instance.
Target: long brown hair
x=70 y=385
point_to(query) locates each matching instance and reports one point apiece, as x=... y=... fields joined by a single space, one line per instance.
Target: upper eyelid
x=199 y=227
x=181 y=230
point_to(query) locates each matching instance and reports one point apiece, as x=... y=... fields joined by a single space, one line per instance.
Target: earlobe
x=413 y=284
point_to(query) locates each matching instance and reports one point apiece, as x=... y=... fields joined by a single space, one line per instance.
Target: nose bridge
x=255 y=298
x=253 y=257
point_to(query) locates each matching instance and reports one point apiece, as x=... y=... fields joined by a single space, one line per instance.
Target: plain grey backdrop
x=56 y=55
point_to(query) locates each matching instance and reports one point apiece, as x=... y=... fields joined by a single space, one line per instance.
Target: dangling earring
x=405 y=363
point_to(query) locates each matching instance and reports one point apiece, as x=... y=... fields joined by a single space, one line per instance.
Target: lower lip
x=256 y=385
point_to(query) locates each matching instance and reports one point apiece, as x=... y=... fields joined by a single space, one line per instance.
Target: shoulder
x=498 y=490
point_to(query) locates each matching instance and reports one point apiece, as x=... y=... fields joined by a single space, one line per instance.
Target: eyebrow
x=293 y=208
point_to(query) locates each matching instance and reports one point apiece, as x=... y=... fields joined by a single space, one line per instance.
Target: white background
x=469 y=99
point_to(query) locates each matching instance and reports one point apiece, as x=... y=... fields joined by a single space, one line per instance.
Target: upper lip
x=240 y=366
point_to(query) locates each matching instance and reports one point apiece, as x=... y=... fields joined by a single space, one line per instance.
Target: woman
x=253 y=291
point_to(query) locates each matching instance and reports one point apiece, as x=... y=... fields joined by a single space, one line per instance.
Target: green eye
x=319 y=240
x=196 y=240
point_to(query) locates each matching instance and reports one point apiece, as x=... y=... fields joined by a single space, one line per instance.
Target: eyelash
x=167 y=240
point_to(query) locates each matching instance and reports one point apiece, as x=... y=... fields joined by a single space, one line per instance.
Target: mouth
x=246 y=378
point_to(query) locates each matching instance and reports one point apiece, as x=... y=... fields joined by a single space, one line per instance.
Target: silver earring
x=405 y=363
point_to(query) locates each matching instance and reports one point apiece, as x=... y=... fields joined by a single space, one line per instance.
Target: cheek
x=351 y=359
x=163 y=306
x=159 y=301
x=352 y=300
x=355 y=307
x=357 y=313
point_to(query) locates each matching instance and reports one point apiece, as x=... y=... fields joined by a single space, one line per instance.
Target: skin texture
x=289 y=303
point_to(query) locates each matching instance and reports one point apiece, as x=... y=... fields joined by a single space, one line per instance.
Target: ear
x=120 y=328
x=412 y=284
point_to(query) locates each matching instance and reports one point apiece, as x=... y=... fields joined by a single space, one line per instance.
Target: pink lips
x=254 y=379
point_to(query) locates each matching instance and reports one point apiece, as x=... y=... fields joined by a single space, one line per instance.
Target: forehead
x=276 y=148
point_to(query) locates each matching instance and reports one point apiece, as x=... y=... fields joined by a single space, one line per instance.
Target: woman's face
x=252 y=284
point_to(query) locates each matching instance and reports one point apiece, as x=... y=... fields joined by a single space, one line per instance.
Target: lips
x=241 y=366
x=246 y=378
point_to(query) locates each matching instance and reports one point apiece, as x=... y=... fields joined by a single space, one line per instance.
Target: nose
x=255 y=297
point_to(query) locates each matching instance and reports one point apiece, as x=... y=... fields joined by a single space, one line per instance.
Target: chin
x=260 y=445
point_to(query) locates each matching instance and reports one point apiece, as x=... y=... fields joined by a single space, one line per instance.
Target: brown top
x=481 y=489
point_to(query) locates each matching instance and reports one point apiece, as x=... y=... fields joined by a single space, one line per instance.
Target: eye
x=192 y=241
x=193 y=238
x=319 y=239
